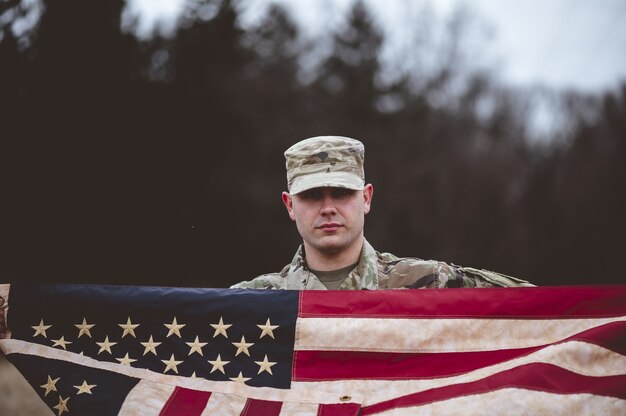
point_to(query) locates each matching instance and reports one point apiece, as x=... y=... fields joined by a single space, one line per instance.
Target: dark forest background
x=159 y=161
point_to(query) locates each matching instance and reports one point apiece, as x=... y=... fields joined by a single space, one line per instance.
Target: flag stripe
x=578 y=301
x=146 y=399
x=224 y=405
x=436 y=335
x=611 y=336
x=186 y=402
x=340 y=365
x=336 y=365
x=512 y=401
x=347 y=409
x=580 y=357
x=553 y=379
x=299 y=409
x=255 y=407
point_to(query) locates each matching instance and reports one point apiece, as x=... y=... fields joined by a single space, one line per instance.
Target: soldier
x=328 y=199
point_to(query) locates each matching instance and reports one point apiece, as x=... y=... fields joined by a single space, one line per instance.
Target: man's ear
x=368 y=194
x=288 y=201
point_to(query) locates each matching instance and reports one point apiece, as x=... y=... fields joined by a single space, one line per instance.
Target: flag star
x=61 y=342
x=126 y=360
x=41 y=329
x=193 y=375
x=129 y=328
x=218 y=364
x=62 y=406
x=174 y=328
x=265 y=365
x=171 y=364
x=220 y=328
x=50 y=385
x=240 y=379
x=196 y=346
x=85 y=388
x=242 y=346
x=150 y=346
x=105 y=345
x=84 y=328
x=267 y=329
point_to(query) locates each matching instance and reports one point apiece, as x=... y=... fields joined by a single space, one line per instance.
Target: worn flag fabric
x=116 y=350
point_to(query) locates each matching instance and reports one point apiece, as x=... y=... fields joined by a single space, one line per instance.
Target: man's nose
x=328 y=206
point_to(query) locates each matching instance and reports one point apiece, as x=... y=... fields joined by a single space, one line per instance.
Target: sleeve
x=265 y=281
x=431 y=274
x=471 y=277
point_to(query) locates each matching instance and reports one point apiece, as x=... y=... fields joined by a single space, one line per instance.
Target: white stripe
x=518 y=402
x=578 y=357
x=224 y=405
x=146 y=399
x=435 y=335
x=11 y=346
x=298 y=409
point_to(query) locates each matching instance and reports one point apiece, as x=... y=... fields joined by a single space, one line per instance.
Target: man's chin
x=331 y=246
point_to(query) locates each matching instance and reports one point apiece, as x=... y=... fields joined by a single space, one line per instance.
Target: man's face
x=330 y=220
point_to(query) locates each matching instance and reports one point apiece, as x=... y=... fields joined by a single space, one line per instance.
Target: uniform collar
x=364 y=275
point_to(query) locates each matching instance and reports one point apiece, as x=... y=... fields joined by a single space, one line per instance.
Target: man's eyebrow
x=310 y=192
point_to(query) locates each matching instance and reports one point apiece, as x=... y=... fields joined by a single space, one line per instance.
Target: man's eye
x=312 y=194
x=342 y=192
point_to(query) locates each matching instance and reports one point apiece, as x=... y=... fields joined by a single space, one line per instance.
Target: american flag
x=122 y=350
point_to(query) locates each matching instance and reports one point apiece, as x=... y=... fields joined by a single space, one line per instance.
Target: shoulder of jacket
x=496 y=279
x=391 y=260
x=407 y=272
x=264 y=281
x=388 y=258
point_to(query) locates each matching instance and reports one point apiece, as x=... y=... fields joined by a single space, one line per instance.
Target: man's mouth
x=329 y=226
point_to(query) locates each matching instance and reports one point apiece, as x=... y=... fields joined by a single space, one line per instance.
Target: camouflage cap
x=325 y=161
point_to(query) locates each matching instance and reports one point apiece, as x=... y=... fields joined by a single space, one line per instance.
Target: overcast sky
x=559 y=43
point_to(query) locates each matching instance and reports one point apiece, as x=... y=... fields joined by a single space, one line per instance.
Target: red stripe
x=346 y=409
x=538 y=376
x=256 y=407
x=610 y=336
x=521 y=302
x=341 y=365
x=185 y=402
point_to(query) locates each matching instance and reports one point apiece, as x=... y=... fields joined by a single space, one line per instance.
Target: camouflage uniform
x=383 y=271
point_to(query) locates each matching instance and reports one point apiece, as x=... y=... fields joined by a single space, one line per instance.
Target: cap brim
x=327 y=179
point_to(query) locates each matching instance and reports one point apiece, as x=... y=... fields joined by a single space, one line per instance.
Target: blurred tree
x=64 y=130
x=276 y=108
x=347 y=90
x=577 y=223
x=14 y=68
x=96 y=62
x=273 y=75
x=207 y=56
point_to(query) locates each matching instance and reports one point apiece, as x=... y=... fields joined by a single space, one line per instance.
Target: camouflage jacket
x=383 y=271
